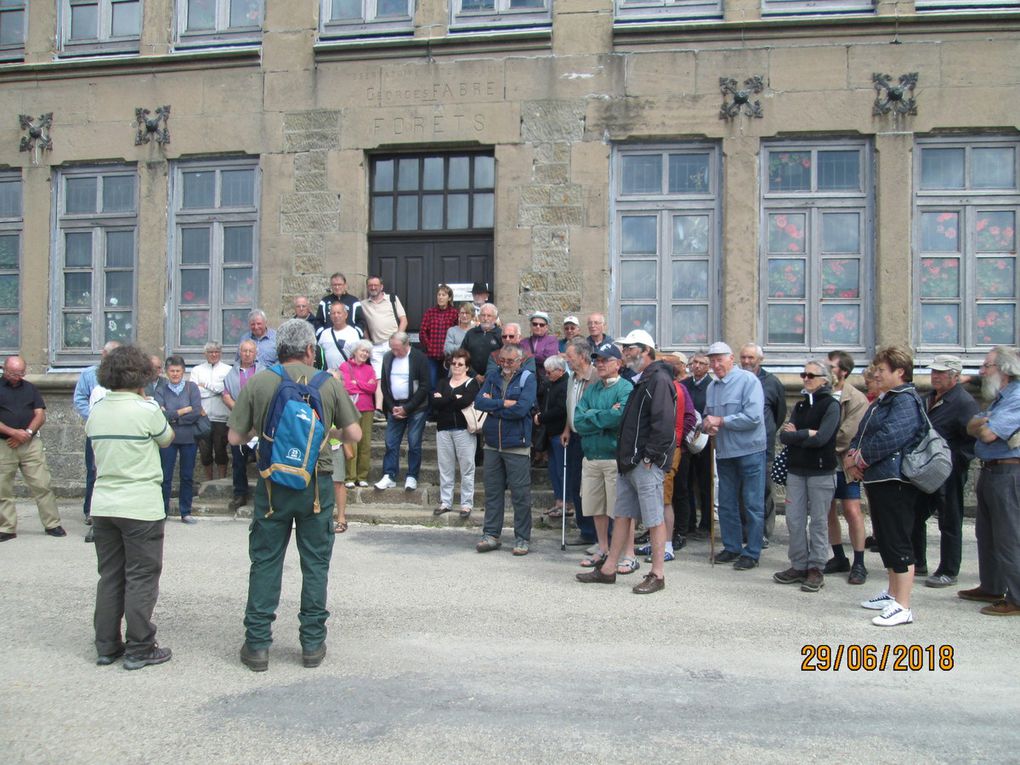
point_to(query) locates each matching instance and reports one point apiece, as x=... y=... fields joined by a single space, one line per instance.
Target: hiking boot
x=893 y=615
x=651 y=583
x=154 y=655
x=488 y=544
x=520 y=547
x=313 y=658
x=836 y=565
x=595 y=576
x=813 y=582
x=255 y=659
x=790 y=576
x=858 y=574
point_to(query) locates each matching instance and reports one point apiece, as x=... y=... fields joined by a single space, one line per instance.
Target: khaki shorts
x=339 y=465
x=598 y=486
x=667 y=482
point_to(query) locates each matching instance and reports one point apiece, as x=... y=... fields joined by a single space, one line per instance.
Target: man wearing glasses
x=698 y=467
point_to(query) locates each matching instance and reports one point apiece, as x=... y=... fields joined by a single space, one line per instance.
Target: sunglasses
x=509 y=337
x=539 y=324
x=809 y=375
x=457 y=364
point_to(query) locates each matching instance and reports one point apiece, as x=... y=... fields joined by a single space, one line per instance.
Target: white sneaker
x=363 y=484
x=410 y=484
x=349 y=484
x=892 y=615
x=879 y=602
x=385 y=483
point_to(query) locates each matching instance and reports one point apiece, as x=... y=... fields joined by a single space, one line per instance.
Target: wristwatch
x=30 y=432
x=647 y=460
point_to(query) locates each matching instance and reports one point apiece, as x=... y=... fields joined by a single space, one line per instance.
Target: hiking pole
x=711 y=501
x=563 y=510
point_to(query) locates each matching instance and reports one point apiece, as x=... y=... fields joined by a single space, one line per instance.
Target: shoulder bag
x=928 y=464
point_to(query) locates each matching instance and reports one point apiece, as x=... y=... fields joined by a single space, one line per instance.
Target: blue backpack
x=292 y=434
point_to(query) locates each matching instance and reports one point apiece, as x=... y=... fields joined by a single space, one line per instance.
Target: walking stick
x=711 y=500
x=563 y=513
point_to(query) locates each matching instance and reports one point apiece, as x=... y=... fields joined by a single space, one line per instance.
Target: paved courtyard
x=440 y=655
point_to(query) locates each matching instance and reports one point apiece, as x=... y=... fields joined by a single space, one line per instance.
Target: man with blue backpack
x=293 y=409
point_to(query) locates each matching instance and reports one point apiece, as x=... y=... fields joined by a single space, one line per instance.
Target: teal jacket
x=597 y=421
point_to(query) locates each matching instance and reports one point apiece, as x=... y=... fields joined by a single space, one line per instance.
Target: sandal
x=627 y=566
x=441 y=509
x=465 y=513
x=339 y=527
x=555 y=512
x=595 y=560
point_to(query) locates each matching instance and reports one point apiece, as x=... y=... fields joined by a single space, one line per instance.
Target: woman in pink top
x=360 y=381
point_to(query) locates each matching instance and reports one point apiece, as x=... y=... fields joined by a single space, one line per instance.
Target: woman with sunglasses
x=810 y=440
x=454 y=445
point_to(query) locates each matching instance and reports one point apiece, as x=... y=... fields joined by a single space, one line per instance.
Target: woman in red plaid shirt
x=432 y=333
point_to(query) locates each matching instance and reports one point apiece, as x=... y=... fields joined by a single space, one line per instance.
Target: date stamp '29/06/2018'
x=856 y=657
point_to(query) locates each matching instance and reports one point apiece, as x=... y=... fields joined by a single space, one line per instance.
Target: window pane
x=77 y=290
x=391 y=8
x=238 y=286
x=483 y=211
x=940 y=324
x=383 y=175
x=237 y=188
x=940 y=277
x=118 y=193
x=993 y=168
x=789 y=171
x=841 y=278
x=460 y=168
x=642 y=174
x=8 y=298
x=126 y=20
x=81 y=195
x=690 y=234
x=78 y=249
x=12 y=28
x=432 y=212
x=344 y=10
x=9 y=331
x=118 y=327
x=478 y=5
x=237 y=244
x=245 y=13
x=786 y=278
x=195 y=245
x=201 y=15
x=84 y=22
x=786 y=232
x=195 y=286
x=9 y=250
x=433 y=174
x=688 y=173
x=120 y=249
x=839 y=171
x=996 y=277
x=527 y=4
x=407 y=175
x=457 y=211
x=382 y=213
x=690 y=325
x=485 y=172
x=638 y=234
x=637 y=279
x=10 y=199
x=995 y=232
x=996 y=324
x=841 y=232
x=199 y=189
x=78 y=330
x=786 y=324
x=840 y=325
x=407 y=213
x=690 y=280
x=195 y=328
x=235 y=324
x=941 y=168
x=940 y=232
x=638 y=317
x=120 y=288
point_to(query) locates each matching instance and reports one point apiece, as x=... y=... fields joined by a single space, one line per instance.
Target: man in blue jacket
x=508 y=396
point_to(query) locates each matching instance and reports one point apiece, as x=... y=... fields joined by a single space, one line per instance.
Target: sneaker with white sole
x=645 y=549
x=879 y=602
x=893 y=615
x=410 y=484
x=667 y=556
x=385 y=483
x=363 y=484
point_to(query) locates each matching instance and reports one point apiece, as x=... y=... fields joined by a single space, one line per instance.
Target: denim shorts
x=846 y=490
x=639 y=495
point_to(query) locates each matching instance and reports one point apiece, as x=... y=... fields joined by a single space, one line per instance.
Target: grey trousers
x=507 y=471
x=130 y=561
x=998 y=530
x=807 y=518
x=453 y=448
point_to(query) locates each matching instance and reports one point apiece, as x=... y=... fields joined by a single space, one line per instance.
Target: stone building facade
x=809 y=174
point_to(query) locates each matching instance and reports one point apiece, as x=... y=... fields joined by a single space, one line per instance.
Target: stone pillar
x=893 y=296
x=740 y=256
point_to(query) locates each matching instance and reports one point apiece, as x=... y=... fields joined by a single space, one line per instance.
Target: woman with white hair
x=361 y=383
x=209 y=376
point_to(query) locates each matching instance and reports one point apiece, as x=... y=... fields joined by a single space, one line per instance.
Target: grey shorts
x=639 y=495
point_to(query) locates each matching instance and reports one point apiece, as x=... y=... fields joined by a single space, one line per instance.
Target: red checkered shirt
x=432 y=332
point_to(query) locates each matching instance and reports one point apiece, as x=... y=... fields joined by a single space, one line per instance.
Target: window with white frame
x=342 y=18
x=12 y=29
x=96 y=246
x=488 y=13
x=99 y=26
x=966 y=201
x=663 y=10
x=816 y=246
x=215 y=251
x=666 y=243
x=10 y=261
x=218 y=22
x=966 y=5
x=776 y=7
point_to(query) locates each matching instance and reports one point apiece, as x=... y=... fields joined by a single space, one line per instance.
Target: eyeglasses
x=809 y=375
x=986 y=365
x=509 y=337
x=457 y=364
x=539 y=324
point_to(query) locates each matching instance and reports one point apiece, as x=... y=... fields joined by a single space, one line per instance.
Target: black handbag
x=203 y=427
x=778 y=472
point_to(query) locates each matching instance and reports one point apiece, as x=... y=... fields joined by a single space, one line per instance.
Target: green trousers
x=268 y=538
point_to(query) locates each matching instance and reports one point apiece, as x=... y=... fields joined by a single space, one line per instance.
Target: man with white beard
x=998 y=511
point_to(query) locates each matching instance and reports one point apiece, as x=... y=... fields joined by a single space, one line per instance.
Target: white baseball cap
x=637 y=337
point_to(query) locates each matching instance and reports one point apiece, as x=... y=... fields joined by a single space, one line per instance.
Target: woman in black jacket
x=554 y=418
x=454 y=444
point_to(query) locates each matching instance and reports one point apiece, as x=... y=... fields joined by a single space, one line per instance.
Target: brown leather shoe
x=980 y=595
x=651 y=583
x=595 y=576
x=1001 y=608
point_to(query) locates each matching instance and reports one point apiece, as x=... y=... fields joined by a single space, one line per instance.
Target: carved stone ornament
x=38 y=137
x=737 y=100
x=898 y=99
x=152 y=127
